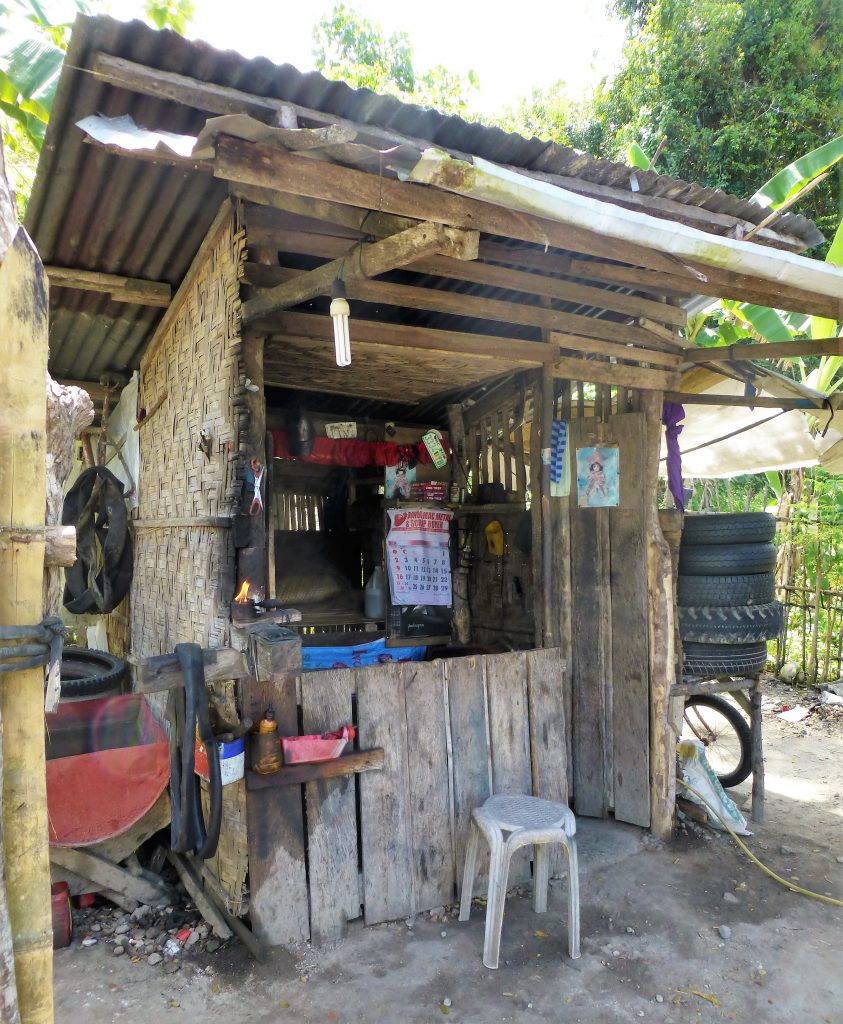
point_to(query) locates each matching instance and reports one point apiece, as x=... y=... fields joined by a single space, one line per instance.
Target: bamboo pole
x=9 y=1012
x=23 y=356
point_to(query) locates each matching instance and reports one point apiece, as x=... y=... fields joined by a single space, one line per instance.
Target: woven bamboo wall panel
x=118 y=629
x=183 y=573
x=176 y=592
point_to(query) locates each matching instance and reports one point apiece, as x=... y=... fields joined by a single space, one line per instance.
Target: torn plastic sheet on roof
x=123 y=132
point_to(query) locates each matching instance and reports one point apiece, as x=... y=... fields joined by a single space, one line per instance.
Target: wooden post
x=462 y=609
x=757 y=752
x=251 y=560
x=278 y=887
x=23 y=357
x=662 y=613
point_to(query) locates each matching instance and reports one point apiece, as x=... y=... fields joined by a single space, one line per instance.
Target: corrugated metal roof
x=93 y=210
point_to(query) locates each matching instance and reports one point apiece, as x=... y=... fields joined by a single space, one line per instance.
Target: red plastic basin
x=107 y=764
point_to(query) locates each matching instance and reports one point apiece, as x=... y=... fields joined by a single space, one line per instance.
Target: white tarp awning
x=768 y=439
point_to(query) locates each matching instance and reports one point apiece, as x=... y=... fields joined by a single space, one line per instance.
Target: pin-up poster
x=597 y=477
x=418 y=557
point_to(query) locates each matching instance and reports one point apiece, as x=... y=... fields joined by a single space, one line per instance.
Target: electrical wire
x=753 y=858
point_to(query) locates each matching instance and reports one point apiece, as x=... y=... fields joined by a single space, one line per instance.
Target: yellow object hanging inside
x=495 y=539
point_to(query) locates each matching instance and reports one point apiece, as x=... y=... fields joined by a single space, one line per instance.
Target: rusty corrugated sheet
x=95 y=211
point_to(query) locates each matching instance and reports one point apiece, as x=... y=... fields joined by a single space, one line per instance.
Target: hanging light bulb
x=339 y=314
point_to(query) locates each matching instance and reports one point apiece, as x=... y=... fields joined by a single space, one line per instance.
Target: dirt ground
x=651 y=942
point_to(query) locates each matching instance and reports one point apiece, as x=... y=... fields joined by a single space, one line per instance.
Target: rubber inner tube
x=100 y=577
x=187 y=710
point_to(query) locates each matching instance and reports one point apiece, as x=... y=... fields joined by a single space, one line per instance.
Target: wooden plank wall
x=599 y=568
x=591 y=669
x=453 y=731
x=501 y=592
x=603 y=626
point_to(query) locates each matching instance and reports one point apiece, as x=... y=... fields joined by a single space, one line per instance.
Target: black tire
x=86 y=673
x=726 y=723
x=741 y=625
x=726 y=591
x=712 y=660
x=729 y=528
x=726 y=559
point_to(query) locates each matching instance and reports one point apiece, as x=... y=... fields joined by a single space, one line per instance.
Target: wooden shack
x=498 y=287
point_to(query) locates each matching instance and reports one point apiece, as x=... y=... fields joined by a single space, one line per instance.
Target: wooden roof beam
x=516 y=351
x=755 y=402
x=596 y=371
x=719 y=285
x=133 y=290
x=333 y=247
x=770 y=350
x=363 y=262
x=439 y=300
x=266 y=167
x=578 y=344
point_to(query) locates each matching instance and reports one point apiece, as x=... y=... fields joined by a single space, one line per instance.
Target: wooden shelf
x=696 y=685
x=296 y=774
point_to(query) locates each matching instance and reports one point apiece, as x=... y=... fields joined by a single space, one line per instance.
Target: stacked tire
x=727 y=609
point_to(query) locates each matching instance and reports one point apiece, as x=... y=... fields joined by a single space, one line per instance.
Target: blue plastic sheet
x=354 y=655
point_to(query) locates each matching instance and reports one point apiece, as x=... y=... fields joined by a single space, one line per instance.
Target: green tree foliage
x=34 y=36
x=740 y=88
x=173 y=14
x=547 y=113
x=357 y=51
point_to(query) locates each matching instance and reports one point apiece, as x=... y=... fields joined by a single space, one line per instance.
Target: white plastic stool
x=530 y=821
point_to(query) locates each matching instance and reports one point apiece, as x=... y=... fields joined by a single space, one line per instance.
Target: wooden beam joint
x=365 y=261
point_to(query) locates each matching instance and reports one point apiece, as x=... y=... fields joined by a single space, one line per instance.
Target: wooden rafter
x=770 y=350
x=755 y=402
x=363 y=262
x=132 y=290
x=266 y=167
x=597 y=371
x=718 y=285
x=333 y=247
x=456 y=343
x=458 y=304
x=592 y=346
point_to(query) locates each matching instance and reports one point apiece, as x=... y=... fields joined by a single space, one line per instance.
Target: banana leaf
x=823 y=327
x=766 y=322
x=775 y=481
x=636 y=157
x=835 y=253
x=788 y=181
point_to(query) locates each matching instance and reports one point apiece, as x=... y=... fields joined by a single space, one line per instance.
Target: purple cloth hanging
x=672 y=413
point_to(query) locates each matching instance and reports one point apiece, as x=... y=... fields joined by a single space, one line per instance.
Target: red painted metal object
x=107 y=764
x=62 y=919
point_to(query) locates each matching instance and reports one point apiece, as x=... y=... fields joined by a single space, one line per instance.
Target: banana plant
x=731 y=321
x=791 y=180
x=32 y=48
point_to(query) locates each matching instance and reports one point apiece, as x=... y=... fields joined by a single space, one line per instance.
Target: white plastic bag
x=696 y=771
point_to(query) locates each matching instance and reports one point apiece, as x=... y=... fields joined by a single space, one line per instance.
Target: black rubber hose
x=208 y=832
x=175 y=720
x=187 y=708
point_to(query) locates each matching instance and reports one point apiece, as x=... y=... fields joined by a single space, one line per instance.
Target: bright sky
x=512 y=49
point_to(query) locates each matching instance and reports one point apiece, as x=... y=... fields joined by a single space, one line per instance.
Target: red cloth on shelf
x=356 y=454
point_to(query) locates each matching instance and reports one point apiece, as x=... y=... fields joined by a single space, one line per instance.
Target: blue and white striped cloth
x=558 y=450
